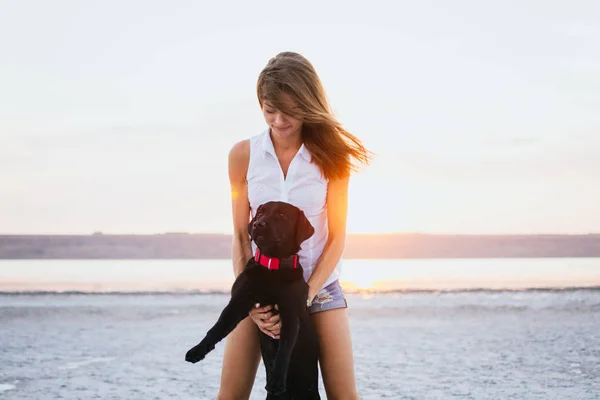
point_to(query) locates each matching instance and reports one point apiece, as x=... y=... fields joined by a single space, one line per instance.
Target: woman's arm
x=241 y=250
x=337 y=212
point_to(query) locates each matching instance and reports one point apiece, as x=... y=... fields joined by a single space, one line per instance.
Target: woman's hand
x=311 y=295
x=267 y=320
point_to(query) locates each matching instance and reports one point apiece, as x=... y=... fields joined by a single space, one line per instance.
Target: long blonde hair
x=335 y=150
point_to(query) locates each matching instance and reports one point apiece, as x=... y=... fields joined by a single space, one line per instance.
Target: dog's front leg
x=242 y=300
x=234 y=312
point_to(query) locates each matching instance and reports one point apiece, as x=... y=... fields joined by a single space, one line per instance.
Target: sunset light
x=468 y=137
x=462 y=261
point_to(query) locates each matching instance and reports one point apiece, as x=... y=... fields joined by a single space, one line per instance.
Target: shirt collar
x=267 y=146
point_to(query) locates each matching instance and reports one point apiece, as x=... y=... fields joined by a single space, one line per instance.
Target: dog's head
x=279 y=228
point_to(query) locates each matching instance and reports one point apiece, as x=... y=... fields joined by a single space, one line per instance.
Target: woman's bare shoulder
x=240 y=149
x=239 y=155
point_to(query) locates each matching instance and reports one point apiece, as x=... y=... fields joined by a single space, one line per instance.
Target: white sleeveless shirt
x=304 y=187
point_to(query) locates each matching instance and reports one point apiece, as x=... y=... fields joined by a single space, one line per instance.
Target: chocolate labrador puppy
x=274 y=276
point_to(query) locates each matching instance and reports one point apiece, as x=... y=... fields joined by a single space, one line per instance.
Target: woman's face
x=281 y=124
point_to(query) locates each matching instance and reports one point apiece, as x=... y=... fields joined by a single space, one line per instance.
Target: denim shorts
x=329 y=298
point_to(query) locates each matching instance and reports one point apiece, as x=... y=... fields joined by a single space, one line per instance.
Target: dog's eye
x=281 y=215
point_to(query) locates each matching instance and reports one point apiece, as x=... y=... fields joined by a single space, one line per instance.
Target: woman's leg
x=240 y=362
x=330 y=317
x=337 y=363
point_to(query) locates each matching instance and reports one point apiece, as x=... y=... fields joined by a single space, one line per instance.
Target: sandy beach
x=467 y=345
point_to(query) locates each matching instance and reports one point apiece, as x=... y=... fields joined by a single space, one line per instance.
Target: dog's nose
x=260 y=224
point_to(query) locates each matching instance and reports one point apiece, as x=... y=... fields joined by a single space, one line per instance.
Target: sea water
x=122 y=329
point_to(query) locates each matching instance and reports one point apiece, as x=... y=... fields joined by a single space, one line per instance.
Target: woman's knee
x=240 y=362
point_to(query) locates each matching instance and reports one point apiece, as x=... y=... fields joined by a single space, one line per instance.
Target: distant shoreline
x=358 y=246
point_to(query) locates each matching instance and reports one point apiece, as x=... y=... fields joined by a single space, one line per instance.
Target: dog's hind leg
x=291 y=305
x=303 y=372
x=290 y=325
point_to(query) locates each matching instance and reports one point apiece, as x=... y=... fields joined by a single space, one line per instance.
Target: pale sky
x=117 y=116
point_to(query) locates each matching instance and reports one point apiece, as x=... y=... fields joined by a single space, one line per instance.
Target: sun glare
x=358 y=285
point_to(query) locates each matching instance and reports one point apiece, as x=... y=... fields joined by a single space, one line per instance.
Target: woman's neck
x=291 y=143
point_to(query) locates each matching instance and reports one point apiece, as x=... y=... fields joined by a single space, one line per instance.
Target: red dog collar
x=274 y=262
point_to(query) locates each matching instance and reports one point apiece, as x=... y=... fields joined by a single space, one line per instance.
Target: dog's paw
x=197 y=353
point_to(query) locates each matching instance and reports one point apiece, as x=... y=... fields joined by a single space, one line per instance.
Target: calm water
x=483 y=344
x=375 y=275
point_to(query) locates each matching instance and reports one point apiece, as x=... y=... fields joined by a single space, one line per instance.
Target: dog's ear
x=251 y=223
x=250 y=226
x=304 y=229
x=252 y=220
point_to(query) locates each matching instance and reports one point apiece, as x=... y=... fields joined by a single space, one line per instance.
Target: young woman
x=305 y=158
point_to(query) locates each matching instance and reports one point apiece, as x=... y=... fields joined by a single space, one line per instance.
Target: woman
x=305 y=158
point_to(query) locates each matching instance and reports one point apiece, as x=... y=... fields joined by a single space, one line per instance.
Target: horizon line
x=100 y=233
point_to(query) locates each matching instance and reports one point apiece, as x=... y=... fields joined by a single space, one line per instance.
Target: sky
x=118 y=116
